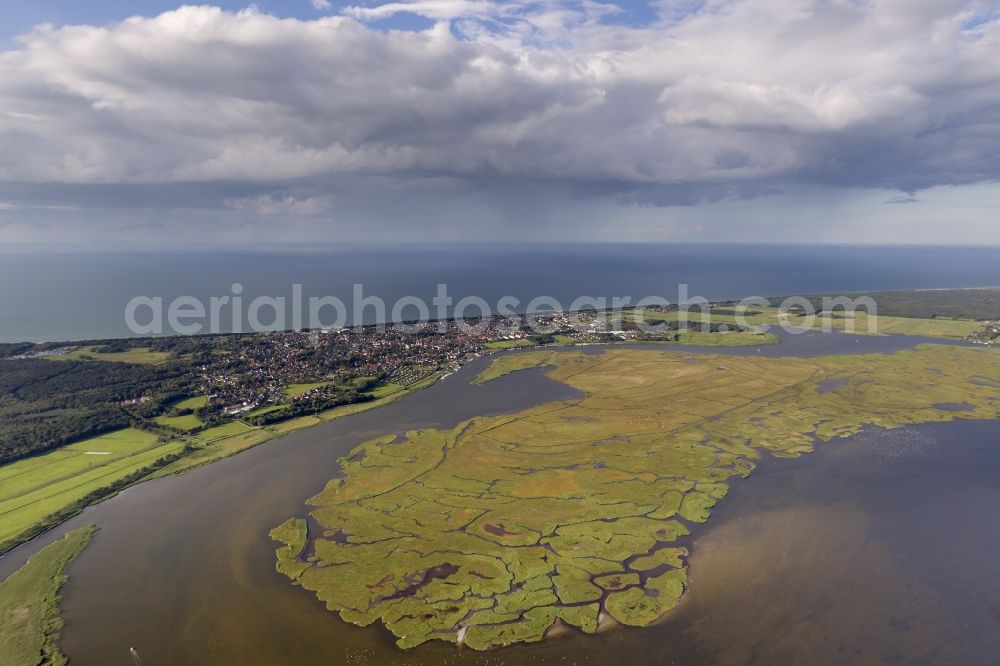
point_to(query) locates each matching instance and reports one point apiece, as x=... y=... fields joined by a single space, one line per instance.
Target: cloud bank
x=709 y=101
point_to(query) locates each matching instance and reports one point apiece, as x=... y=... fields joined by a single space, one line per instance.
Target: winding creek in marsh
x=877 y=548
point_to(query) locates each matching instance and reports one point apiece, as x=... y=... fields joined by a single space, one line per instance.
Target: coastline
x=177 y=464
x=184 y=461
x=279 y=488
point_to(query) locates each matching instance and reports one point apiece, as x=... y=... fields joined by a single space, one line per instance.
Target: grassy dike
x=29 y=604
x=29 y=599
x=51 y=517
x=23 y=516
x=234 y=442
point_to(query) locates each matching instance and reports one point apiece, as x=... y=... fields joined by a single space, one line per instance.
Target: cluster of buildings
x=988 y=334
x=247 y=372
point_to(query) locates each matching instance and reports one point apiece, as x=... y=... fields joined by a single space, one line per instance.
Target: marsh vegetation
x=575 y=512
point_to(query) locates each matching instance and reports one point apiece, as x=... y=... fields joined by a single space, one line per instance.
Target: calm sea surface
x=83 y=296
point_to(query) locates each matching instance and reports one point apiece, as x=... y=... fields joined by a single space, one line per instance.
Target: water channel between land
x=880 y=548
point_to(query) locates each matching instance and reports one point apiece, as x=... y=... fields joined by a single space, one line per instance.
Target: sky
x=316 y=122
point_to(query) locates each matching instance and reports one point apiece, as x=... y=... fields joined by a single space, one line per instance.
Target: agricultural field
x=45 y=405
x=194 y=403
x=501 y=345
x=141 y=355
x=184 y=423
x=222 y=431
x=383 y=390
x=753 y=317
x=29 y=603
x=940 y=327
x=33 y=488
x=292 y=425
x=216 y=450
x=231 y=438
x=726 y=339
x=860 y=323
x=576 y=512
x=296 y=390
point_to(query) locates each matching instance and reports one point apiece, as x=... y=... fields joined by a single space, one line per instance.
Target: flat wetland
x=873 y=549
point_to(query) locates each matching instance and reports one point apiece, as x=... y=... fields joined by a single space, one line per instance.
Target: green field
x=295 y=390
x=295 y=424
x=727 y=339
x=940 y=327
x=356 y=408
x=185 y=423
x=385 y=399
x=29 y=604
x=222 y=431
x=501 y=345
x=216 y=450
x=384 y=390
x=134 y=355
x=231 y=438
x=194 y=403
x=33 y=488
x=756 y=318
x=495 y=531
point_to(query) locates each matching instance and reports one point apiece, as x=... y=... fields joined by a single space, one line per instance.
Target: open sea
x=81 y=296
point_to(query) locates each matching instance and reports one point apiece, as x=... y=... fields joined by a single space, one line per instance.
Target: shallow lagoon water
x=875 y=549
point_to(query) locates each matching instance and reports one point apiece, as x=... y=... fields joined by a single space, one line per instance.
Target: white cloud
x=716 y=99
x=284 y=205
x=322 y=5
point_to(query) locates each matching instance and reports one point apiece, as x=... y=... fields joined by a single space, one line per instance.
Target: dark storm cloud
x=209 y=194
x=720 y=100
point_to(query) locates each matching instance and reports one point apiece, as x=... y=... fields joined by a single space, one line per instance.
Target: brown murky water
x=880 y=549
x=875 y=550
